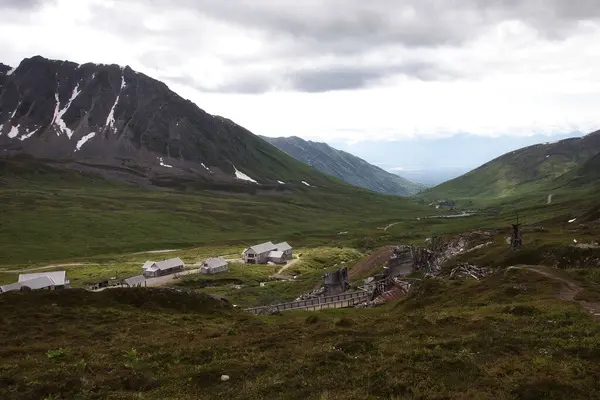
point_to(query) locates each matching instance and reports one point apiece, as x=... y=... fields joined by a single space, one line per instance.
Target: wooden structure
x=516 y=238
x=134 y=281
x=152 y=269
x=214 y=266
x=342 y=300
x=263 y=253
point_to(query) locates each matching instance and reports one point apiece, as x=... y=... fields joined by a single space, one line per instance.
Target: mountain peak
x=117 y=118
x=4 y=70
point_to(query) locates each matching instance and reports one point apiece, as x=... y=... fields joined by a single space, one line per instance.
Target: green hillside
x=520 y=171
x=54 y=214
x=587 y=174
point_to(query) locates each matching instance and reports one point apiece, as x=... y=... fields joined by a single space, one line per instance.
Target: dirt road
x=569 y=290
x=278 y=275
x=156 y=251
x=24 y=271
x=168 y=279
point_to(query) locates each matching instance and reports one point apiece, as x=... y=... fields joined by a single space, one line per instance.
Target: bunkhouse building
x=268 y=252
x=152 y=269
x=259 y=254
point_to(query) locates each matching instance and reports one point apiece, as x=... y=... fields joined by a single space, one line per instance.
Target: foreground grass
x=507 y=337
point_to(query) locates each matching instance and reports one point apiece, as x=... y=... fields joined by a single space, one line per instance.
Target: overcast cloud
x=341 y=69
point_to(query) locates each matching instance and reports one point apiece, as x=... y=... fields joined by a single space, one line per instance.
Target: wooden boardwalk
x=341 y=300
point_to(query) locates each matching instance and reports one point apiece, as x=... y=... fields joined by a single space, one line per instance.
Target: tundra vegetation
x=514 y=334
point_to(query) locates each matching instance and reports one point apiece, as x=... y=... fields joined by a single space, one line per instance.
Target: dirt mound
x=376 y=259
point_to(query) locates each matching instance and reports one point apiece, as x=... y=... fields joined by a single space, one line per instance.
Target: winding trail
x=388 y=227
x=24 y=271
x=286 y=266
x=568 y=291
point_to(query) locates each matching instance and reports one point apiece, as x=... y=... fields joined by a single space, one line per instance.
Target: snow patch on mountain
x=306 y=183
x=83 y=140
x=110 y=120
x=15 y=112
x=28 y=134
x=59 y=121
x=11 y=72
x=56 y=110
x=162 y=163
x=281 y=183
x=242 y=176
x=14 y=132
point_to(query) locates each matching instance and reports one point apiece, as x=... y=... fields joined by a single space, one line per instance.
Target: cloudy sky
x=341 y=70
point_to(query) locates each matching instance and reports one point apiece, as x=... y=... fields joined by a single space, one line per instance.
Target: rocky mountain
x=345 y=166
x=522 y=169
x=125 y=124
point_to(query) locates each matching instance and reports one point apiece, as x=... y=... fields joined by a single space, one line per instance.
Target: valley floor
x=528 y=330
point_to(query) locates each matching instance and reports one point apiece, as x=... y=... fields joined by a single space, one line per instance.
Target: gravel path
x=568 y=291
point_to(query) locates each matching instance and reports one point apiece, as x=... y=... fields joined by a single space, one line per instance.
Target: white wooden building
x=44 y=280
x=214 y=266
x=152 y=269
x=134 y=281
x=263 y=253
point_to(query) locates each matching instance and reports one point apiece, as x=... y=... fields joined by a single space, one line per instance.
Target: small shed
x=135 y=281
x=214 y=266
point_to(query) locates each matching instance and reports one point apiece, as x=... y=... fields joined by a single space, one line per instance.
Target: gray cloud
x=21 y=4
x=333 y=79
x=323 y=45
x=311 y=80
x=356 y=23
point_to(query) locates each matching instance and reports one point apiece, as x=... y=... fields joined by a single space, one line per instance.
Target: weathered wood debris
x=468 y=270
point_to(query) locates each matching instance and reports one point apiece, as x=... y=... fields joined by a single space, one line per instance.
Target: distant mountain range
x=345 y=166
x=126 y=125
x=434 y=160
x=568 y=160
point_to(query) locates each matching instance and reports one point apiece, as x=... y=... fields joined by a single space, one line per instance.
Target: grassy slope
x=503 y=338
x=56 y=215
x=521 y=171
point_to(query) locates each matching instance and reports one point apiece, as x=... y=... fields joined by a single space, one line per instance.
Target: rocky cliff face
x=345 y=166
x=112 y=116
